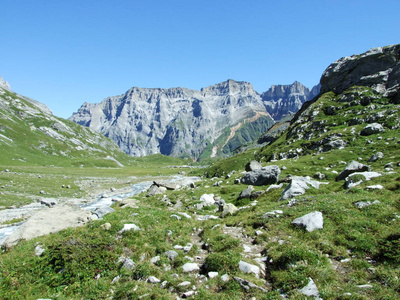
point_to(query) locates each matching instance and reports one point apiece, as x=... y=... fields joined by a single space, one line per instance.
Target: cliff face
x=177 y=121
x=283 y=100
x=378 y=68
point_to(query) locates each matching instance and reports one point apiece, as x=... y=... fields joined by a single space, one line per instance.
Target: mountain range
x=189 y=123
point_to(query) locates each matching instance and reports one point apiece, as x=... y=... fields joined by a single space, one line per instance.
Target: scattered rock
x=225 y=278
x=374 y=187
x=106 y=226
x=263 y=176
x=274 y=213
x=188 y=294
x=171 y=254
x=168 y=185
x=102 y=211
x=249 y=268
x=229 y=209
x=190 y=267
x=155 y=259
x=128 y=227
x=298 y=186
x=274 y=186
x=127 y=263
x=246 y=193
x=39 y=250
x=311 y=221
x=153 y=280
x=352 y=167
x=184 y=283
x=311 y=290
x=362 y=204
x=375 y=157
x=49 y=202
x=252 y=166
x=212 y=274
x=156 y=190
x=247 y=285
x=372 y=129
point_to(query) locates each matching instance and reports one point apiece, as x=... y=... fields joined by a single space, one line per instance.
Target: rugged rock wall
x=186 y=123
x=177 y=121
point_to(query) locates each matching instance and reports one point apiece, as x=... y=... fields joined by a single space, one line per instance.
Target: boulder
x=298 y=186
x=190 y=267
x=375 y=157
x=246 y=193
x=249 y=268
x=372 y=129
x=352 y=167
x=168 y=185
x=311 y=290
x=247 y=285
x=102 y=211
x=311 y=221
x=229 y=209
x=354 y=179
x=128 y=227
x=171 y=254
x=263 y=176
x=156 y=190
x=253 y=166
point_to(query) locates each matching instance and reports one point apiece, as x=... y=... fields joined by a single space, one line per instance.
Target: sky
x=64 y=53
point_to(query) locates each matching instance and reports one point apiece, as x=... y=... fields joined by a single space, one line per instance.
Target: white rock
x=311 y=221
x=185 y=283
x=212 y=274
x=153 y=279
x=249 y=268
x=190 y=267
x=311 y=290
x=225 y=278
x=128 y=227
x=374 y=187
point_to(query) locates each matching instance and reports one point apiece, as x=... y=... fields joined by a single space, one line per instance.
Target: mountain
x=189 y=123
x=30 y=133
x=177 y=121
x=284 y=100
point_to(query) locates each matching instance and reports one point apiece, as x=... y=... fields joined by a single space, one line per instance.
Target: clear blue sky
x=67 y=52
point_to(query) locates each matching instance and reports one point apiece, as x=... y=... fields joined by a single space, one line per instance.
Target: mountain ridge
x=179 y=121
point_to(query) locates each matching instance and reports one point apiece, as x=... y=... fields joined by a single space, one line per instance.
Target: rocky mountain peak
x=229 y=87
x=378 y=68
x=284 y=100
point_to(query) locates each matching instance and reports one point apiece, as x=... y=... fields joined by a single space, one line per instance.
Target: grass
x=356 y=246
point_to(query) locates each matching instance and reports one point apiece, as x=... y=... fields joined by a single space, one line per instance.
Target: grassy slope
x=352 y=249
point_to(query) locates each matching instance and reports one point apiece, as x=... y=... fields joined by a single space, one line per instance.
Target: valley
x=311 y=211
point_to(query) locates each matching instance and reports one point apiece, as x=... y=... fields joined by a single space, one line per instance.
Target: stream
x=101 y=201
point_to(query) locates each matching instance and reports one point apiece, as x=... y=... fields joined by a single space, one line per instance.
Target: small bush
x=390 y=249
x=222 y=262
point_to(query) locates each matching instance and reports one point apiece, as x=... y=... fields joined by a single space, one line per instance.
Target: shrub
x=222 y=262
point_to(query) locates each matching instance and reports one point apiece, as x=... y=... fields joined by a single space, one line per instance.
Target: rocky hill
x=189 y=123
x=30 y=133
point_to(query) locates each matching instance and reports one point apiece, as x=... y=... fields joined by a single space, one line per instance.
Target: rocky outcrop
x=378 y=68
x=284 y=100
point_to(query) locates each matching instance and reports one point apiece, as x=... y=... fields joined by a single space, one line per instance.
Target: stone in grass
x=128 y=227
x=212 y=274
x=171 y=254
x=153 y=280
x=372 y=129
x=190 y=267
x=247 y=285
x=263 y=176
x=311 y=221
x=249 y=268
x=375 y=157
x=228 y=209
x=352 y=167
x=39 y=250
x=127 y=263
x=311 y=290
